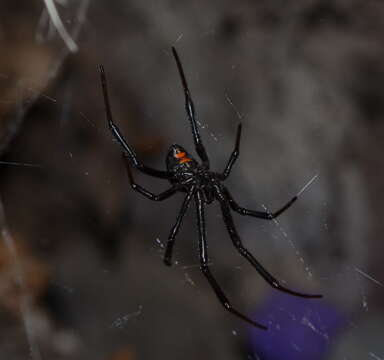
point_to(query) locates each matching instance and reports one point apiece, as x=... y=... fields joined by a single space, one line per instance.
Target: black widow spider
x=204 y=186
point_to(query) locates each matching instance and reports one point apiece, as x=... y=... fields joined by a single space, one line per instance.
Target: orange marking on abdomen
x=180 y=155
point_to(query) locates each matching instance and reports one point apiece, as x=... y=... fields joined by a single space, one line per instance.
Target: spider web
x=114 y=297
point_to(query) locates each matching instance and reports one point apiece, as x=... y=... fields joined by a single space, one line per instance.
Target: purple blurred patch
x=298 y=329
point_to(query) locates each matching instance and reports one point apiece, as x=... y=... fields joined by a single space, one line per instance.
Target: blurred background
x=81 y=271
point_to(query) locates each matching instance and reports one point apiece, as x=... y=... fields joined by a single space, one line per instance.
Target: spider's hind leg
x=246 y=254
x=205 y=267
x=176 y=227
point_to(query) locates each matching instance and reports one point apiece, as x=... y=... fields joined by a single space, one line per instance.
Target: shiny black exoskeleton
x=199 y=183
x=185 y=172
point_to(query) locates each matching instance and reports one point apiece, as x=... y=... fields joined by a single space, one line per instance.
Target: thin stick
x=56 y=21
x=25 y=302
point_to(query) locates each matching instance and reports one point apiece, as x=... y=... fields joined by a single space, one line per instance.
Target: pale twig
x=14 y=120
x=56 y=21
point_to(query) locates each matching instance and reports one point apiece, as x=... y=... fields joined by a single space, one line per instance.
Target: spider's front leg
x=205 y=267
x=119 y=137
x=228 y=220
x=190 y=109
x=149 y=195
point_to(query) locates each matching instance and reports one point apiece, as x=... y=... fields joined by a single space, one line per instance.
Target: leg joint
x=227 y=305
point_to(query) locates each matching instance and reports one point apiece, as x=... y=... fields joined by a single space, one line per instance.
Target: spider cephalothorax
x=203 y=186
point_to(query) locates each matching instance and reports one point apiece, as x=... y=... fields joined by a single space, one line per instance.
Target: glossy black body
x=203 y=186
x=191 y=173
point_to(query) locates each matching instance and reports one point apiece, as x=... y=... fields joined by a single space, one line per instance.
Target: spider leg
x=190 y=108
x=234 y=155
x=205 y=267
x=149 y=195
x=119 y=137
x=176 y=227
x=228 y=220
x=258 y=214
